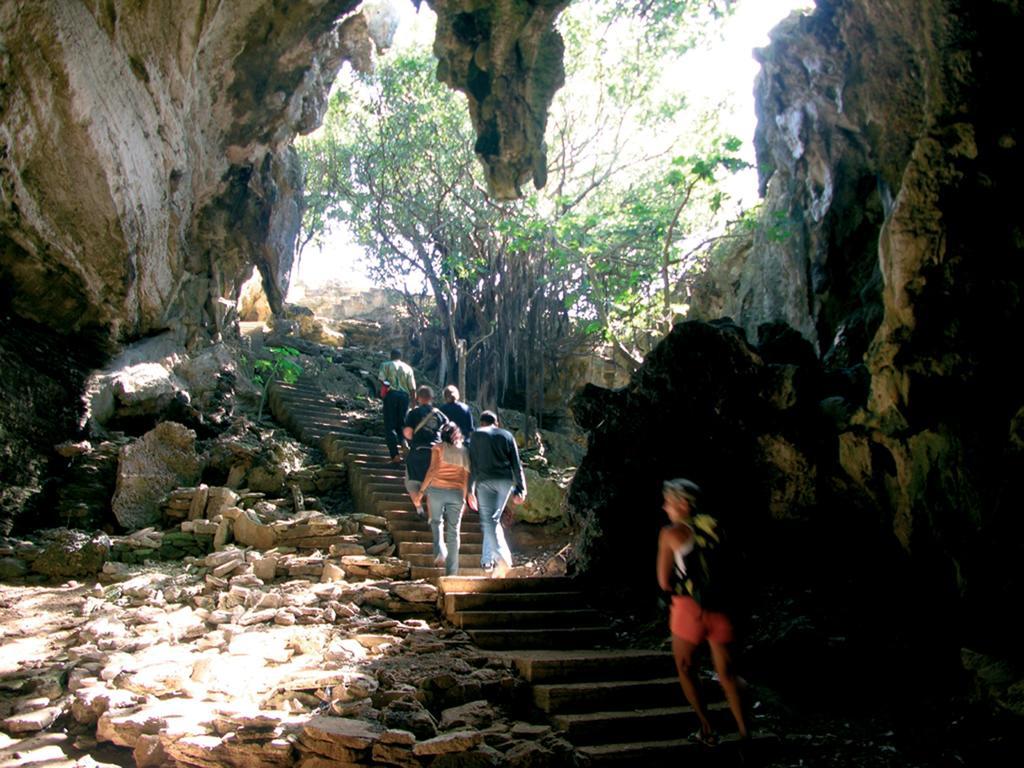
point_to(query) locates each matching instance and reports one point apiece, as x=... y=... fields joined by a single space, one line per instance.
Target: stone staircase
x=377 y=486
x=620 y=707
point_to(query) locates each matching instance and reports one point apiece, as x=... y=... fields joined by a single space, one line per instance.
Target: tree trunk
x=460 y=361
x=442 y=365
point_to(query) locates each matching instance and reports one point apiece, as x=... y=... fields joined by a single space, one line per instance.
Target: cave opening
x=828 y=361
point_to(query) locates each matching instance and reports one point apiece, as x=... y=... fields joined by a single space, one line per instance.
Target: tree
x=517 y=286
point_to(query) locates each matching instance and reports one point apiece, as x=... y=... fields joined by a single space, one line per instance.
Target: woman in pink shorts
x=685 y=550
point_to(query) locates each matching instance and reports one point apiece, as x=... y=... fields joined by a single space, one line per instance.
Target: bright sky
x=724 y=69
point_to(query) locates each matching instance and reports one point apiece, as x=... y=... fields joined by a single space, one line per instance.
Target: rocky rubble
x=250 y=658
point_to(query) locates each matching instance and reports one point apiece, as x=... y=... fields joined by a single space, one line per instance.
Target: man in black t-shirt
x=422 y=429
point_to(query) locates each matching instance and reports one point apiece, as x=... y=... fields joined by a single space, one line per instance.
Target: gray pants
x=446 y=506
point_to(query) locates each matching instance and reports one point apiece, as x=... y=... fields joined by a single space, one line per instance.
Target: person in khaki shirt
x=400 y=382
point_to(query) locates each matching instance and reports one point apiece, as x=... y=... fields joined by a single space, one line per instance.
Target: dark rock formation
x=890 y=241
x=507 y=59
x=917 y=99
x=706 y=406
x=41 y=379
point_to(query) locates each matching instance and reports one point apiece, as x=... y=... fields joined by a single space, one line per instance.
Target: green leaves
x=283 y=364
x=630 y=193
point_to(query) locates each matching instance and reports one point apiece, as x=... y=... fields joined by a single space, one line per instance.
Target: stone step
x=369 y=451
x=301 y=385
x=382 y=508
x=389 y=497
x=376 y=468
x=349 y=434
x=422 y=525
x=426 y=547
x=593 y=665
x=496 y=601
x=434 y=575
x=332 y=421
x=384 y=469
x=405 y=525
x=304 y=410
x=558 y=698
x=366 y=455
x=425 y=535
x=638 y=725
x=568 y=637
x=411 y=521
x=465 y=560
x=531 y=584
x=303 y=398
x=731 y=751
x=385 y=484
x=534 y=619
x=347 y=438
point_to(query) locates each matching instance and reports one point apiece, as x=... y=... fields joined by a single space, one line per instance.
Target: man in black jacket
x=495 y=474
x=458 y=412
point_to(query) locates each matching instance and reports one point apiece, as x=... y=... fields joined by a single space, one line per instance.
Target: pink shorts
x=687 y=620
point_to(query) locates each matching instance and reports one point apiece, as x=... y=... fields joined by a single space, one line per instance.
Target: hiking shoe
x=709 y=739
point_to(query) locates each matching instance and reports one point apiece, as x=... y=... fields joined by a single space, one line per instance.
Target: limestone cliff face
x=144 y=159
x=885 y=141
x=891 y=164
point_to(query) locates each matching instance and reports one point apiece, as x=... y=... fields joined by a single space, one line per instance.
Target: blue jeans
x=491 y=498
x=446 y=505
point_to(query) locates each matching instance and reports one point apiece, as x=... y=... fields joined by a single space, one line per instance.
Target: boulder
x=409 y=715
x=446 y=743
x=12 y=568
x=354 y=734
x=996 y=682
x=416 y=592
x=148 y=469
x=204 y=373
x=545 y=499
x=476 y=714
x=72 y=554
x=248 y=530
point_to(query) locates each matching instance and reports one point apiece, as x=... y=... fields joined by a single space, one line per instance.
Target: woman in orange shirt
x=445 y=487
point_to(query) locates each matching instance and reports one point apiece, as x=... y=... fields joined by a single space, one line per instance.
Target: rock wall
x=145 y=159
x=885 y=127
x=145 y=167
x=890 y=241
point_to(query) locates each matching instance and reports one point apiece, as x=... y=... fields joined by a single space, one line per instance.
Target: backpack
x=707 y=579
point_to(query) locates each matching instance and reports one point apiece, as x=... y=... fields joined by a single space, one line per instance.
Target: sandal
x=709 y=739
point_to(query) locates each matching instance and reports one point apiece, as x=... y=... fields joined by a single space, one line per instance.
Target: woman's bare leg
x=731 y=683
x=683 y=650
